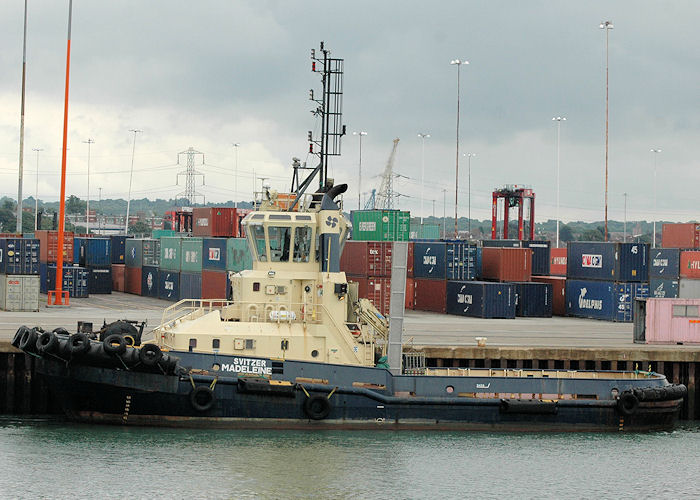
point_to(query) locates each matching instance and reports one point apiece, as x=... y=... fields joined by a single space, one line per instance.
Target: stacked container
x=238 y=256
x=19 y=274
x=481 y=299
x=75 y=280
x=506 y=264
x=664 y=266
x=369 y=264
x=142 y=257
x=380 y=225
x=558 y=284
x=48 y=246
x=429 y=274
x=213 y=282
x=533 y=299
x=689 y=272
x=541 y=251
x=191 y=268
x=680 y=235
x=95 y=254
x=221 y=222
x=557 y=262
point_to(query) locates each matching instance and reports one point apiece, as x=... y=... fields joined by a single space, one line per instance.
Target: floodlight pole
x=131 y=176
x=607 y=26
x=89 y=142
x=36 y=194
x=656 y=152
x=458 y=63
x=21 y=124
x=422 y=175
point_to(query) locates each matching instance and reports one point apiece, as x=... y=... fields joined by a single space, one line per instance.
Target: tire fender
x=317 y=407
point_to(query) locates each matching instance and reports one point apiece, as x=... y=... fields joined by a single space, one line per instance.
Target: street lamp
x=559 y=119
x=131 y=176
x=359 y=176
x=459 y=64
x=422 y=174
x=236 y=145
x=89 y=142
x=36 y=194
x=469 y=190
x=607 y=26
x=656 y=152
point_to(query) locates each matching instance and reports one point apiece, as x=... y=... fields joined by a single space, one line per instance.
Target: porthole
x=449 y=389
x=216 y=367
x=314 y=353
x=615 y=392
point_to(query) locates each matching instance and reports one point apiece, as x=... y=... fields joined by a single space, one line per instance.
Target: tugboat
x=294 y=346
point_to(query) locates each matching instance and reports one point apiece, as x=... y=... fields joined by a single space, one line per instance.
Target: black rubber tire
x=18 y=335
x=317 y=407
x=78 y=344
x=28 y=340
x=61 y=331
x=202 y=398
x=114 y=344
x=627 y=404
x=47 y=342
x=150 y=354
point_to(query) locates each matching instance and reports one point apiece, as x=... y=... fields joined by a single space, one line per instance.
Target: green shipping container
x=380 y=225
x=425 y=232
x=191 y=255
x=164 y=233
x=170 y=250
x=238 y=256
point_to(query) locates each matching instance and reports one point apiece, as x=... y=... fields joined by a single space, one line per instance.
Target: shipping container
x=607 y=300
x=89 y=252
x=214 y=254
x=605 y=261
x=142 y=252
x=132 y=281
x=238 y=256
x=169 y=285
x=214 y=284
x=533 y=300
x=668 y=321
x=429 y=295
x=217 y=221
x=134 y=253
x=149 y=281
x=662 y=288
x=366 y=258
x=681 y=235
x=463 y=261
x=376 y=289
x=409 y=259
x=410 y=291
x=664 y=263
x=502 y=243
x=380 y=225
x=75 y=280
x=506 y=264
x=557 y=266
x=689 y=288
x=100 y=280
x=163 y=233
x=19 y=256
x=690 y=264
x=190 y=286
x=170 y=253
x=541 y=253
x=118 y=248
x=48 y=246
x=429 y=260
x=558 y=292
x=191 y=255
x=424 y=232
x=118 y=277
x=481 y=299
x=19 y=292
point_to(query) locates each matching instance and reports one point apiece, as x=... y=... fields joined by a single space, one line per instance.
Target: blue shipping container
x=92 y=252
x=100 y=280
x=169 y=285
x=482 y=299
x=594 y=260
x=541 y=252
x=533 y=300
x=605 y=300
x=75 y=280
x=664 y=263
x=429 y=260
x=19 y=256
x=118 y=248
x=190 y=286
x=214 y=254
x=149 y=281
x=663 y=288
x=463 y=261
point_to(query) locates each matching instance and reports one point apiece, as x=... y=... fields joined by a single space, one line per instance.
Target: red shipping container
x=558 y=298
x=506 y=264
x=132 y=282
x=366 y=258
x=429 y=295
x=680 y=235
x=409 y=293
x=377 y=290
x=214 y=285
x=48 y=246
x=217 y=221
x=118 y=277
x=557 y=262
x=690 y=264
x=409 y=263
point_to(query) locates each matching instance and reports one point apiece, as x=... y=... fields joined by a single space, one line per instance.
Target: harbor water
x=55 y=459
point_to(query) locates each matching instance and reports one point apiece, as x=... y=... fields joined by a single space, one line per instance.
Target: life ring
x=78 y=344
x=28 y=339
x=114 y=344
x=627 y=404
x=130 y=341
x=47 y=342
x=202 y=398
x=150 y=354
x=317 y=407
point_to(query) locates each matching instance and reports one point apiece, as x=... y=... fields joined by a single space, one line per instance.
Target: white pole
x=422 y=174
x=100 y=219
x=21 y=126
x=444 y=214
x=558 y=119
x=624 y=227
x=131 y=176
x=359 y=176
x=459 y=64
x=655 y=151
x=236 y=145
x=87 y=208
x=36 y=194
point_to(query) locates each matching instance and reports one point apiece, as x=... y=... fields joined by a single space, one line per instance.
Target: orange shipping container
x=118 y=277
x=409 y=293
x=48 y=246
x=557 y=262
x=377 y=290
x=690 y=264
x=132 y=282
x=680 y=235
x=558 y=287
x=506 y=264
x=214 y=284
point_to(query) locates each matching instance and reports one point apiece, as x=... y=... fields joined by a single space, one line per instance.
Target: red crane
x=513 y=196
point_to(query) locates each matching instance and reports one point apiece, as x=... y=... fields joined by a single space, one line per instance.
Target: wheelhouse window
x=258 y=235
x=280 y=240
x=302 y=243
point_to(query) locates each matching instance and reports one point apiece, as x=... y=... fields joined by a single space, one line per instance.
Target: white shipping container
x=19 y=292
x=688 y=288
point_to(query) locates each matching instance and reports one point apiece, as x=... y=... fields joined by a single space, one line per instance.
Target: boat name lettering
x=584 y=303
x=592 y=260
x=463 y=298
x=483 y=386
x=660 y=263
x=247 y=365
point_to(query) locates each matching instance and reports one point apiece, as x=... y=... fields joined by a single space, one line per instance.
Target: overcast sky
x=207 y=74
